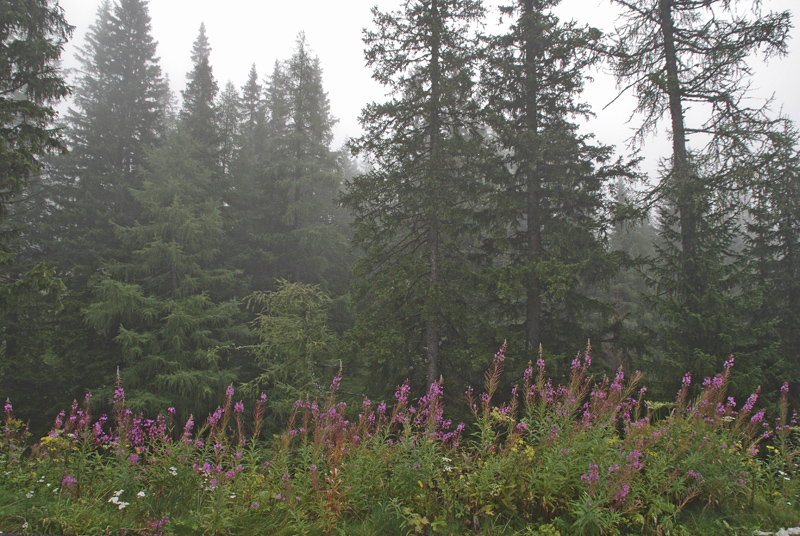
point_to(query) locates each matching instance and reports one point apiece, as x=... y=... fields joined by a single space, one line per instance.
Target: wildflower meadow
x=591 y=457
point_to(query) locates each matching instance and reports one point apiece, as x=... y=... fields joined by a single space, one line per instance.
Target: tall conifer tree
x=199 y=111
x=549 y=193
x=163 y=308
x=304 y=173
x=772 y=250
x=32 y=37
x=676 y=54
x=118 y=115
x=251 y=204
x=413 y=211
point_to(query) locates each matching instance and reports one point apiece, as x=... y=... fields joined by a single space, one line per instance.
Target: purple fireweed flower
x=171 y=410
x=213 y=482
x=785 y=388
x=758 y=417
x=521 y=427
x=231 y=473
x=336 y=382
x=263 y=397
x=229 y=391
x=634 y=458
x=187 y=430
x=8 y=408
x=500 y=356
x=687 y=379
x=576 y=362
x=133 y=458
x=751 y=401
x=253 y=506
x=694 y=474
x=617 y=385
x=214 y=418
x=591 y=476
x=714 y=383
x=729 y=363
x=68 y=481
x=527 y=377
x=401 y=395
x=119 y=393
x=238 y=407
x=622 y=492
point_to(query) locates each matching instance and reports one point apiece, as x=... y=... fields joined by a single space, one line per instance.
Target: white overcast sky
x=243 y=32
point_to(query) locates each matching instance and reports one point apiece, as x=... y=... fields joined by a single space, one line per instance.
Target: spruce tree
x=413 y=213
x=32 y=37
x=548 y=207
x=251 y=204
x=675 y=54
x=199 y=111
x=162 y=308
x=304 y=174
x=772 y=251
x=118 y=116
x=230 y=112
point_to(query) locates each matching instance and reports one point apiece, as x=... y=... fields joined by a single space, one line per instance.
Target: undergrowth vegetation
x=585 y=458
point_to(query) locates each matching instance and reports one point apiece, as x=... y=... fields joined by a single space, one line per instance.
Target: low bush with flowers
x=584 y=458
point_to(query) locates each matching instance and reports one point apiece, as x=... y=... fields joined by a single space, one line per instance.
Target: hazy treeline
x=223 y=240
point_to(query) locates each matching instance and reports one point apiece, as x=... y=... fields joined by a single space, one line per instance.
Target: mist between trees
x=217 y=239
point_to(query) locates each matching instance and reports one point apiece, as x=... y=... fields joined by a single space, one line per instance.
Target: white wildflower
x=29 y=494
x=121 y=505
x=140 y=494
x=173 y=471
x=25 y=526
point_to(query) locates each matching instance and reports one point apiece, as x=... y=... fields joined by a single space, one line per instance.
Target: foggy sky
x=243 y=32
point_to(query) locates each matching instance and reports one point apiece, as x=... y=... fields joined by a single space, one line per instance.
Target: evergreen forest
x=178 y=238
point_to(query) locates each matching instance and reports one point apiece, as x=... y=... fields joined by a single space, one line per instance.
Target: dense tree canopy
x=475 y=208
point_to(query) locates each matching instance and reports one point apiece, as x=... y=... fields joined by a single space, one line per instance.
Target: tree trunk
x=533 y=301
x=686 y=184
x=432 y=305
